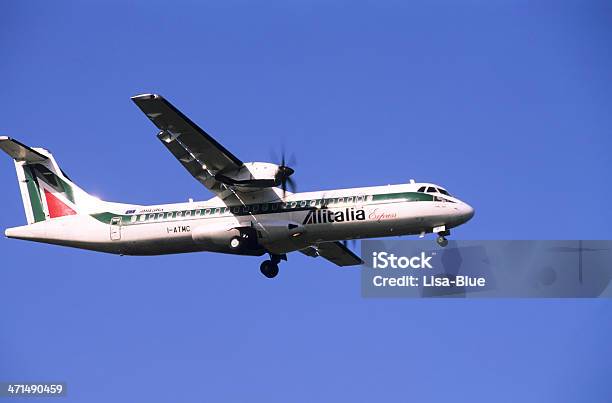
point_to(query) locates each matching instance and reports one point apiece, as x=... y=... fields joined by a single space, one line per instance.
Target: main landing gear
x=269 y=268
x=441 y=240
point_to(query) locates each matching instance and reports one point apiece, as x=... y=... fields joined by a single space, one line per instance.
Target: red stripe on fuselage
x=57 y=208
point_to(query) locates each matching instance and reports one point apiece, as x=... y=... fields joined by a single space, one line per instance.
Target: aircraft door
x=115 y=229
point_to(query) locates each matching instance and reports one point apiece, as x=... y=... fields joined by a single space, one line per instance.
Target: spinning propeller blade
x=284 y=172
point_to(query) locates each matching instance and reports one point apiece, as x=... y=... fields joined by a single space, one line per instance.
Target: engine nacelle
x=254 y=175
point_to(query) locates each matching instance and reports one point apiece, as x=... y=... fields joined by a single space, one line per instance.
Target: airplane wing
x=335 y=252
x=195 y=149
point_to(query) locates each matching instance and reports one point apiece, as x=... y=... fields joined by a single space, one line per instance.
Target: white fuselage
x=281 y=225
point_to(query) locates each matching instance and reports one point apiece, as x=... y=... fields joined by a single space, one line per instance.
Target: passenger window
x=133 y=218
x=217 y=210
x=179 y=214
x=264 y=207
x=303 y=203
x=274 y=206
x=293 y=204
x=255 y=208
x=188 y=213
x=313 y=203
x=340 y=200
x=151 y=217
x=160 y=216
x=349 y=199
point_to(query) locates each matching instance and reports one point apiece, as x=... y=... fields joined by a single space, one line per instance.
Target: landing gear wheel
x=235 y=243
x=442 y=241
x=269 y=269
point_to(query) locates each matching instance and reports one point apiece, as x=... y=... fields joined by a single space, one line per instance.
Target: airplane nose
x=468 y=212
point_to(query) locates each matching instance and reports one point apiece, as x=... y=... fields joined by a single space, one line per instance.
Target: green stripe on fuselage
x=404 y=196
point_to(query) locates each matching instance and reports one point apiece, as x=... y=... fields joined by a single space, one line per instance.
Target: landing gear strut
x=442 y=241
x=269 y=268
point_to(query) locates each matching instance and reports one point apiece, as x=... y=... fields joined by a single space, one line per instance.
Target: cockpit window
x=433 y=189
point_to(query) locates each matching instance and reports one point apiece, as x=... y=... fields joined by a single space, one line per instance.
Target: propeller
x=284 y=172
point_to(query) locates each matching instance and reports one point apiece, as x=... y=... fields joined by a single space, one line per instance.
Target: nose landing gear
x=441 y=240
x=269 y=268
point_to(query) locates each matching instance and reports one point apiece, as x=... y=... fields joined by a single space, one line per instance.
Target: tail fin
x=45 y=189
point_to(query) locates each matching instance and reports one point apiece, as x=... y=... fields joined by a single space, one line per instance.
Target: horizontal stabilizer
x=20 y=152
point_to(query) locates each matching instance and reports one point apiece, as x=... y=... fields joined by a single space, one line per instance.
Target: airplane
x=252 y=212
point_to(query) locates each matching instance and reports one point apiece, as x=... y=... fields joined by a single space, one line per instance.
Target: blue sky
x=507 y=104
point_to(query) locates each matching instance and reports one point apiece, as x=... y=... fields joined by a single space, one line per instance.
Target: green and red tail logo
x=50 y=195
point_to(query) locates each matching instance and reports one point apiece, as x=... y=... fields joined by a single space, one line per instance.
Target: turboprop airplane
x=252 y=213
